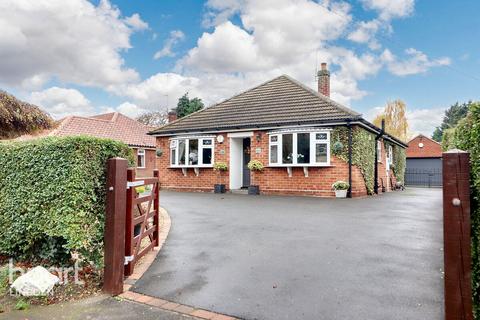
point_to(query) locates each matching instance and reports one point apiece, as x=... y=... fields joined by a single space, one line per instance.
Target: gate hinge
x=128 y=259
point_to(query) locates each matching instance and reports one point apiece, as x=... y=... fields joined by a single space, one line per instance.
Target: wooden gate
x=141 y=225
x=131 y=222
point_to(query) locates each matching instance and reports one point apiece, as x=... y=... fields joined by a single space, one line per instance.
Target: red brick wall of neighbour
x=150 y=163
x=271 y=180
x=430 y=148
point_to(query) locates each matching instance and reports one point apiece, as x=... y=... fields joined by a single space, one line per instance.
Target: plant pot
x=219 y=188
x=341 y=193
x=254 y=190
x=136 y=230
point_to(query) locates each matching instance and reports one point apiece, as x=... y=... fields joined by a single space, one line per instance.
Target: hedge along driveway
x=52 y=196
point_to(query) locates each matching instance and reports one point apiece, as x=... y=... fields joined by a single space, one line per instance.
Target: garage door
x=424 y=172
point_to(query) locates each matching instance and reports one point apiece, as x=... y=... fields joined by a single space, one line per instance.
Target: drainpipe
x=379 y=135
x=349 y=192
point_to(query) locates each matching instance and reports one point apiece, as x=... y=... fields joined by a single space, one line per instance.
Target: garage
x=424 y=163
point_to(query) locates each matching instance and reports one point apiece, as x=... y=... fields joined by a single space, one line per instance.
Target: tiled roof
x=281 y=101
x=109 y=125
x=429 y=149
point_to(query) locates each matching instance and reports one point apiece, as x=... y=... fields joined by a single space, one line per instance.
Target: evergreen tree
x=187 y=106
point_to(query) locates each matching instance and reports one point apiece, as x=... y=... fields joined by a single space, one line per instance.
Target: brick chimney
x=324 y=80
x=172 y=116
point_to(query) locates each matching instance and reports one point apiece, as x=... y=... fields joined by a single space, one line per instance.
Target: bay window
x=191 y=152
x=300 y=148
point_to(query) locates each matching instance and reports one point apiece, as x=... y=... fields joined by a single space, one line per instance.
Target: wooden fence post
x=114 y=241
x=456 y=235
x=156 y=207
x=129 y=227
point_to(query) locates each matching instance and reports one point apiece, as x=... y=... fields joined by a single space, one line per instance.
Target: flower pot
x=341 y=193
x=254 y=190
x=219 y=188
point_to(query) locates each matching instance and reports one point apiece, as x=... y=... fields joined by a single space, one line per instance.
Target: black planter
x=219 y=188
x=254 y=190
x=136 y=230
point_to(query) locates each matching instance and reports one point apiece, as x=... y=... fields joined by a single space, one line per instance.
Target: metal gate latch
x=128 y=259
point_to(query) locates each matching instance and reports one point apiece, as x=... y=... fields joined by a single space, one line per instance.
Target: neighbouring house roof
x=112 y=125
x=423 y=147
x=282 y=101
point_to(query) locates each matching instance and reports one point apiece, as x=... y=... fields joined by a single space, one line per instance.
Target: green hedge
x=466 y=136
x=52 y=197
x=363 y=151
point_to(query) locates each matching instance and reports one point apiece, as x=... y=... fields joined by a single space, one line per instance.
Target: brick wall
x=150 y=163
x=271 y=180
x=383 y=180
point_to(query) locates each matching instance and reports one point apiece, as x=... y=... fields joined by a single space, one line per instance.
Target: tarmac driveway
x=271 y=257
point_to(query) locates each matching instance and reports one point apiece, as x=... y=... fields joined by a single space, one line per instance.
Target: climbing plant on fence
x=52 y=197
x=466 y=136
x=363 y=151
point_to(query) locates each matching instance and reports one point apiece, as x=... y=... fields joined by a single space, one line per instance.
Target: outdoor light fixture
x=259 y=137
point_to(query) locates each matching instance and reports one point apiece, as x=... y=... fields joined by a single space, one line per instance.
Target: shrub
x=255 y=165
x=220 y=166
x=52 y=196
x=340 y=185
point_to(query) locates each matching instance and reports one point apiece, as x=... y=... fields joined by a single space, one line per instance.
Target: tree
x=153 y=118
x=395 y=115
x=453 y=114
x=186 y=106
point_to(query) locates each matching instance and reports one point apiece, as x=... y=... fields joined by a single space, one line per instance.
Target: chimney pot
x=172 y=116
x=324 y=80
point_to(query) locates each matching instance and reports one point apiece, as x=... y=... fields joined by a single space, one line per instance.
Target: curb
x=147 y=260
x=143 y=266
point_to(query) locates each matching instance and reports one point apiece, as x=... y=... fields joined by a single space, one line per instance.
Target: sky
x=87 y=57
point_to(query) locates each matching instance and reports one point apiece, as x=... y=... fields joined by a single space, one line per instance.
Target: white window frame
x=141 y=153
x=174 y=142
x=390 y=156
x=313 y=143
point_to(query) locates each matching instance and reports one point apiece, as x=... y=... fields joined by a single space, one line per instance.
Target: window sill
x=191 y=167
x=299 y=165
x=141 y=167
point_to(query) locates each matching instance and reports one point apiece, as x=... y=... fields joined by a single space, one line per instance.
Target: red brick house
x=305 y=140
x=114 y=126
x=424 y=162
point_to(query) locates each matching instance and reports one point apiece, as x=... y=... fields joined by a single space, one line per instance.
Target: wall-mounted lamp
x=259 y=137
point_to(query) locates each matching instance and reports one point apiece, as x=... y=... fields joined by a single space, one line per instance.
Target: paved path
x=95 y=308
x=269 y=257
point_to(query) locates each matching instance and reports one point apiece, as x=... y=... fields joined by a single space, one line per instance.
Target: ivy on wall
x=400 y=163
x=363 y=151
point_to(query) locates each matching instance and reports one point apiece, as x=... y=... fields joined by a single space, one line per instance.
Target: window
x=302 y=148
x=191 y=152
x=389 y=157
x=141 y=158
x=379 y=151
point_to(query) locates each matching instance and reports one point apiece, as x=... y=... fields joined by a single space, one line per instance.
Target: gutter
x=349 y=192
x=375 y=172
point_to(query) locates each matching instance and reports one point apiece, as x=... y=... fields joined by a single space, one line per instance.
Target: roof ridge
x=422 y=135
x=215 y=104
x=321 y=96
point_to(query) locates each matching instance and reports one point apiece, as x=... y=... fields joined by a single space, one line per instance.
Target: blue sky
x=86 y=57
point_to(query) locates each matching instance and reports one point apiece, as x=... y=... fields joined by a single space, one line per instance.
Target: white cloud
x=130 y=109
x=389 y=9
x=73 y=41
x=365 y=33
x=219 y=11
x=62 y=102
x=417 y=62
x=136 y=22
x=424 y=121
x=175 y=37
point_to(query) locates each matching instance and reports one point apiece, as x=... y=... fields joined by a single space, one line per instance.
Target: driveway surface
x=272 y=257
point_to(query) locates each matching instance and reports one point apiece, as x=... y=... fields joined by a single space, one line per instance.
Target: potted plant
x=340 y=188
x=254 y=166
x=220 y=167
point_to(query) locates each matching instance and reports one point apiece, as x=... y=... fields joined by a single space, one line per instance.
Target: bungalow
x=113 y=125
x=305 y=141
